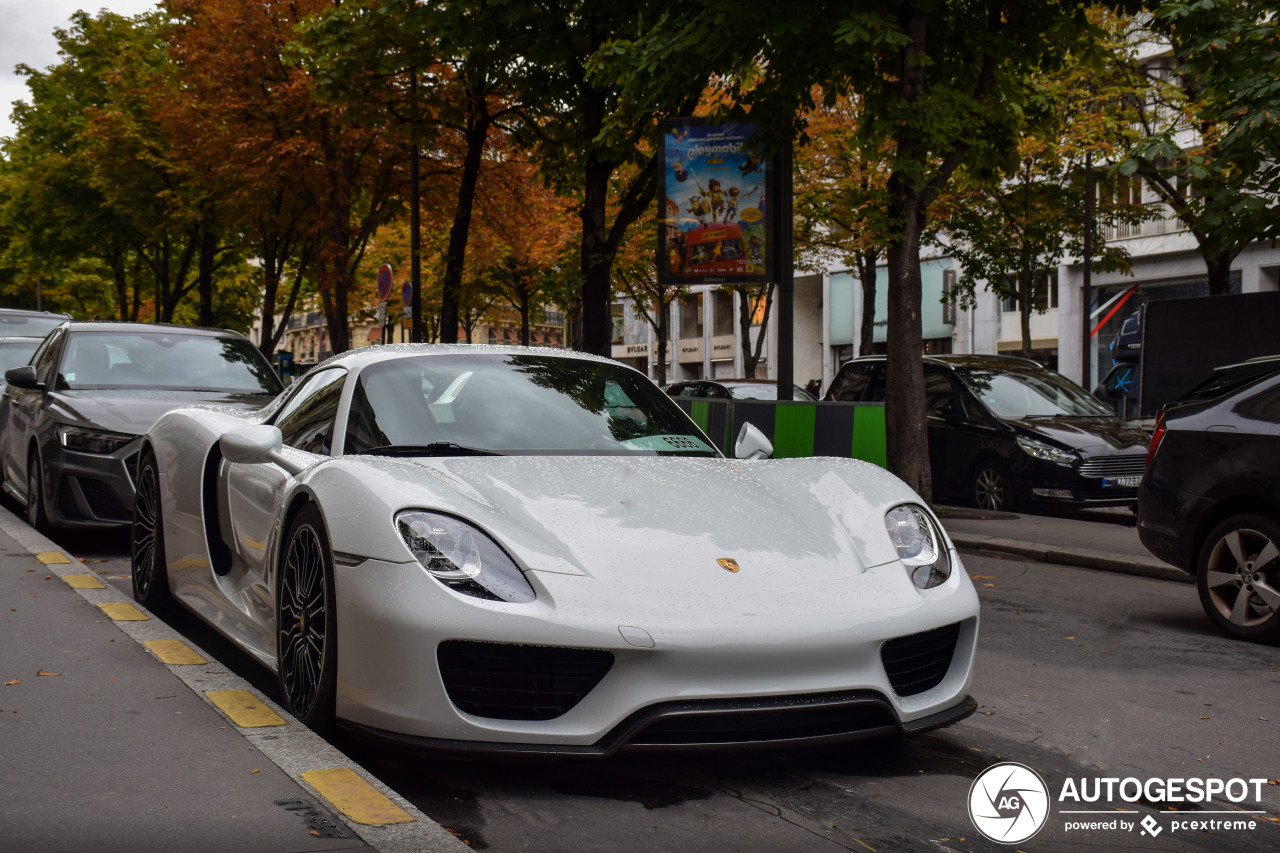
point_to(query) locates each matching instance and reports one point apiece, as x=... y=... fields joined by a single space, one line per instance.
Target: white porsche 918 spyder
x=525 y=551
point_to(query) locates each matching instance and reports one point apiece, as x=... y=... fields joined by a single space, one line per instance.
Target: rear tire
x=306 y=622
x=1238 y=577
x=991 y=487
x=147 y=557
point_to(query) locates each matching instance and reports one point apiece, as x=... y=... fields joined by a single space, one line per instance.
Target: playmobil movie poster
x=713 y=226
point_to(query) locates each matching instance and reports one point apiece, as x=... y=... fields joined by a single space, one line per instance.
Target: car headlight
x=462 y=558
x=1048 y=453
x=92 y=440
x=920 y=545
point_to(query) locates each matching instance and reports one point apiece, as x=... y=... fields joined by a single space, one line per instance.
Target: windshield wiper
x=435 y=448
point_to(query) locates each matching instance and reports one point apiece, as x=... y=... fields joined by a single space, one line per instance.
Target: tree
x=636 y=273
x=1207 y=108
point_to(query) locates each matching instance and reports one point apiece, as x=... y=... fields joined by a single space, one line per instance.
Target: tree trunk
x=478 y=122
x=596 y=290
x=524 y=316
x=1219 y=266
x=867 y=273
x=906 y=438
x=664 y=333
x=1026 y=300
x=204 y=283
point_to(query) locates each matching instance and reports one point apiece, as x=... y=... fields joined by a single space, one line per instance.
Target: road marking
x=355 y=797
x=173 y=652
x=244 y=709
x=53 y=557
x=122 y=611
x=83 y=582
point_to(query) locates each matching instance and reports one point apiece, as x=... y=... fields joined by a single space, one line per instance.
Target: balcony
x=1166 y=223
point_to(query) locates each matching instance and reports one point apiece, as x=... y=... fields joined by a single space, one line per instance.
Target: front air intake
x=918 y=662
x=509 y=682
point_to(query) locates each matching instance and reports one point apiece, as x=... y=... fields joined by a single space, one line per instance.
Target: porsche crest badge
x=728 y=564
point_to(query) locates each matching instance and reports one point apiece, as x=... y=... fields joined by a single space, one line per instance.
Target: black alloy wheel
x=991 y=487
x=1238 y=578
x=35 y=493
x=150 y=578
x=306 y=626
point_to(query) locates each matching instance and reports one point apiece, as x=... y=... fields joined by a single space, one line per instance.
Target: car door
x=954 y=438
x=22 y=410
x=251 y=494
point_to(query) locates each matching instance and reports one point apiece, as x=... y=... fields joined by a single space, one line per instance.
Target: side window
x=307 y=422
x=1262 y=406
x=43 y=359
x=939 y=398
x=851 y=382
x=876 y=389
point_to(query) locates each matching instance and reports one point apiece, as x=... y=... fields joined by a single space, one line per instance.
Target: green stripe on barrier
x=793 y=431
x=869 y=435
x=700 y=411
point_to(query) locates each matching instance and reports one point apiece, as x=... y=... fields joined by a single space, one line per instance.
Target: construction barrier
x=846 y=430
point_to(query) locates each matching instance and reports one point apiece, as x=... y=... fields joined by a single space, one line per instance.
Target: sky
x=26 y=36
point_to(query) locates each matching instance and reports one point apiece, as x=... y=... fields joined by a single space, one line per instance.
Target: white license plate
x=1122 y=482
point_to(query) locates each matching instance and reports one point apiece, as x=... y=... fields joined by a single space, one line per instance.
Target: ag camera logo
x=1009 y=802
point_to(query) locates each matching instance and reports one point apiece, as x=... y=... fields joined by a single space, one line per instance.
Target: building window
x=616 y=310
x=1044 y=295
x=691 y=316
x=722 y=312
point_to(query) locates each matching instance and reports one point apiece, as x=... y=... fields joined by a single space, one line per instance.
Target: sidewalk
x=105 y=747
x=1104 y=545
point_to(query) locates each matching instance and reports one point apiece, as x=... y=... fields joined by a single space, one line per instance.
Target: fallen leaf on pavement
x=1273 y=781
x=1070 y=638
x=1204 y=718
x=983 y=577
x=15 y=681
x=32 y=570
x=48 y=577
x=989 y=584
x=42 y=672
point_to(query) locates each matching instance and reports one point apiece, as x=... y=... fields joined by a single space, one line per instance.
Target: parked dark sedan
x=734 y=389
x=1004 y=431
x=1210 y=502
x=70 y=420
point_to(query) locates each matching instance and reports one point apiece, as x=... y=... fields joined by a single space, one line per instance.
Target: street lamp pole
x=1086 y=291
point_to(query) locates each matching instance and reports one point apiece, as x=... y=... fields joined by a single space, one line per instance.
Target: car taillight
x=1156 y=437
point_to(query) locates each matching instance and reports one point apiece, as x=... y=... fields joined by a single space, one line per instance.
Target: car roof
x=966 y=360
x=362 y=356
x=147 y=328
x=23 y=312
x=29 y=340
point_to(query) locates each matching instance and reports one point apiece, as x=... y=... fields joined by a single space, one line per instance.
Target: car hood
x=1094 y=436
x=133 y=412
x=638 y=520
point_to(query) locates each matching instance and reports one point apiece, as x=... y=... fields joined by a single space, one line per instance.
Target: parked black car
x=734 y=389
x=1004 y=431
x=1210 y=501
x=71 y=420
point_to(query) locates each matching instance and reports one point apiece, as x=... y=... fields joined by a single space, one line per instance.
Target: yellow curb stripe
x=83 y=582
x=244 y=709
x=355 y=797
x=174 y=652
x=52 y=557
x=122 y=611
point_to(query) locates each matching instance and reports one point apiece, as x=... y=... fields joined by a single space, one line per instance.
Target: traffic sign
x=407 y=293
x=384 y=282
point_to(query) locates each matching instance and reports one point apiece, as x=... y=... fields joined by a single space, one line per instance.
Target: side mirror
x=751 y=443
x=255 y=445
x=23 y=377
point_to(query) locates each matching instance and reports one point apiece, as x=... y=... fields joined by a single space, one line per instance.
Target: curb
x=1084 y=558
x=292 y=747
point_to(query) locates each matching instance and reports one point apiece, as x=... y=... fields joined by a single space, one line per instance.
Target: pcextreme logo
x=1010 y=802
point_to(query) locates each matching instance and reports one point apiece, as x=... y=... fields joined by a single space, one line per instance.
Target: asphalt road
x=1080 y=674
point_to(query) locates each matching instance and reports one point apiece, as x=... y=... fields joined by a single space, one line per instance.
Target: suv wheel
x=1238 y=577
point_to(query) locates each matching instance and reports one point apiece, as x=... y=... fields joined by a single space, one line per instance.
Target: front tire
x=991 y=487
x=36 y=516
x=306 y=624
x=147 y=558
x=1238 y=577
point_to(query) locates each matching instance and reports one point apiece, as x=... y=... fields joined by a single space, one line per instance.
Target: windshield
x=27 y=325
x=1029 y=393
x=165 y=361
x=516 y=404
x=16 y=353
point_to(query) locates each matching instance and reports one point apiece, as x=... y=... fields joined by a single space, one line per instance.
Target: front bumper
x=89 y=490
x=757 y=663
